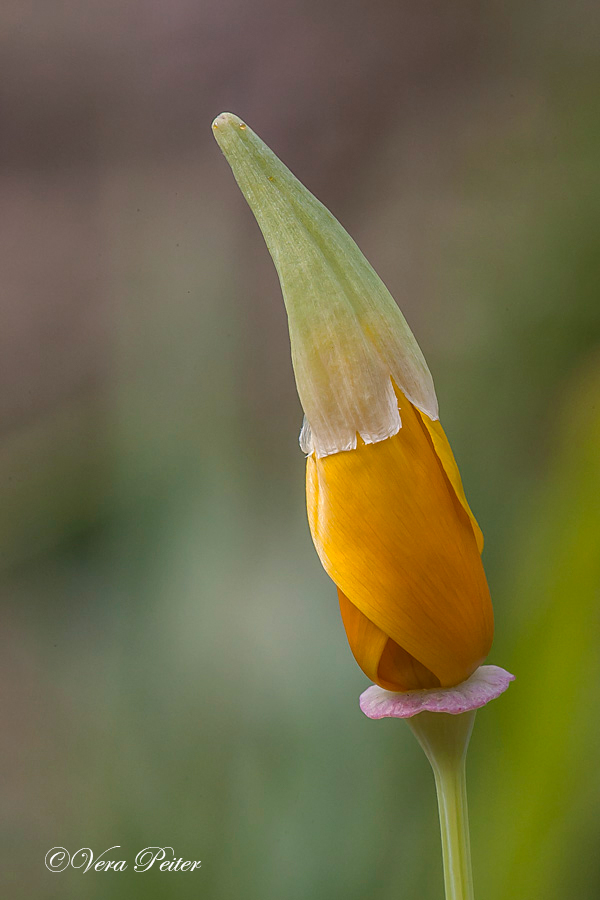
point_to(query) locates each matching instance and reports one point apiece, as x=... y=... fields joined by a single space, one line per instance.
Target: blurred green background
x=174 y=670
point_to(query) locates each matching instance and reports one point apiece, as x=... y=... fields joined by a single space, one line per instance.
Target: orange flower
x=392 y=527
x=386 y=507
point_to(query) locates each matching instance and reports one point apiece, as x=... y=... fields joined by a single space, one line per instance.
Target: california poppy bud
x=386 y=507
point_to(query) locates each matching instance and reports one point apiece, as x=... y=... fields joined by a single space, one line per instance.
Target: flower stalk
x=445 y=739
x=442 y=721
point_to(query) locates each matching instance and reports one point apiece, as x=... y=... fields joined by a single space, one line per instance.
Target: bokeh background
x=174 y=670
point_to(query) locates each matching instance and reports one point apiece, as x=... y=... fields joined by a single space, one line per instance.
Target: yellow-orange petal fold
x=445 y=455
x=393 y=533
x=382 y=659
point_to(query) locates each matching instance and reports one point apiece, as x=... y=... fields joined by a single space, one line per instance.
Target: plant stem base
x=445 y=739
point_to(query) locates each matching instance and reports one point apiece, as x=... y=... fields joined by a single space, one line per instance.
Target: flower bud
x=386 y=507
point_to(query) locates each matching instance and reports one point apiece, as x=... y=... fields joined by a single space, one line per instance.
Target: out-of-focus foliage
x=540 y=791
x=173 y=665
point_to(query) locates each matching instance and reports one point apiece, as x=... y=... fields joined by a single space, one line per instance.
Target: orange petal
x=380 y=658
x=392 y=534
x=446 y=456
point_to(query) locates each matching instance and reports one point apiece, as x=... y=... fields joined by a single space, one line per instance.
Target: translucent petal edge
x=485 y=684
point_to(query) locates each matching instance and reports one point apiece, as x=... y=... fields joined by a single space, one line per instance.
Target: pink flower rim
x=485 y=684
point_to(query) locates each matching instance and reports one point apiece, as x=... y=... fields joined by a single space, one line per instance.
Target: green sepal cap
x=348 y=337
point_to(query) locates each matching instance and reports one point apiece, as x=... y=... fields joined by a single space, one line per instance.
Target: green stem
x=445 y=739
